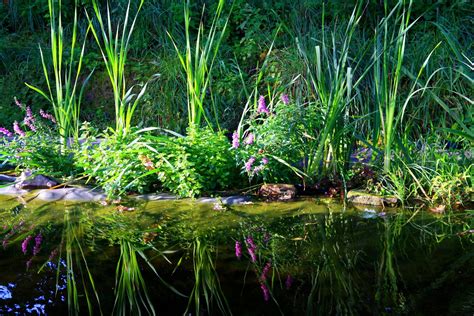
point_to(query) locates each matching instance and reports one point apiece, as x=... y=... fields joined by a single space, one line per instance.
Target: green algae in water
x=168 y=257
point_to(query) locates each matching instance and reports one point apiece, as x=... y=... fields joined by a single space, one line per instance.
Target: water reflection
x=96 y=260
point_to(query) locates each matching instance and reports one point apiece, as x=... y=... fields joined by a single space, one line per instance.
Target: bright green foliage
x=187 y=166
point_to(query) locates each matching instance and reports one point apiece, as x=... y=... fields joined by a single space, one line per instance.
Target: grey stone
x=11 y=190
x=359 y=197
x=5 y=178
x=27 y=182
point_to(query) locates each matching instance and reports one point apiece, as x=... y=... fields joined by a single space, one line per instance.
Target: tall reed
x=198 y=61
x=63 y=90
x=329 y=76
x=114 y=45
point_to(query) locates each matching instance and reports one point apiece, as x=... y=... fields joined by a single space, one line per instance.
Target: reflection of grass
x=333 y=283
x=76 y=266
x=206 y=281
x=130 y=290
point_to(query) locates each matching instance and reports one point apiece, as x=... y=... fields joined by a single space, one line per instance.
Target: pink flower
x=18 y=103
x=47 y=116
x=249 y=140
x=262 y=107
x=264 y=160
x=238 y=249
x=235 y=140
x=5 y=132
x=29 y=119
x=17 y=129
x=284 y=98
x=249 y=163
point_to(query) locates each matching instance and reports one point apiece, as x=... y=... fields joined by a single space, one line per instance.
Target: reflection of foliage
x=206 y=280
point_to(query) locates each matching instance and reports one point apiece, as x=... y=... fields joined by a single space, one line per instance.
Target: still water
x=311 y=257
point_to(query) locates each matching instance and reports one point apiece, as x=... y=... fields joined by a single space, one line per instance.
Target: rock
x=11 y=190
x=358 y=197
x=5 y=178
x=28 y=182
x=277 y=192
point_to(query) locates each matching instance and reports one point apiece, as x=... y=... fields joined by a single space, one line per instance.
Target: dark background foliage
x=252 y=28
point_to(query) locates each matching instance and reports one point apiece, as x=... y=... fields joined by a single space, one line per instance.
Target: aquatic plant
x=63 y=90
x=198 y=62
x=114 y=46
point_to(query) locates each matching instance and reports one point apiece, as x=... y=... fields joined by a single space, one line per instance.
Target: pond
x=310 y=257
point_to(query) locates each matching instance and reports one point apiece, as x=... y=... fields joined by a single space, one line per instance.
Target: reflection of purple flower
x=266 y=237
x=238 y=249
x=5 y=243
x=17 y=129
x=24 y=244
x=284 y=98
x=38 y=240
x=265 y=271
x=53 y=254
x=262 y=107
x=251 y=247
x=288 y=282
x=249 y=163
x=28 y=263
x=5 y=132
x=265 y=292
x=249 y=140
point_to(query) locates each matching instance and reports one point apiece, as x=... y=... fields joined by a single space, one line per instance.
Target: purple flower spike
x=47 y=116
x=18 y=103
x=251 y=247
x=5 y=132
x=37 y=248
x=262 y=107
x=265 y=292
x=249 y=163
x=29 y=119
x=265 y=271
x=249 y=140
x=264 y=160
x=238 y=249
x=235 y=140
x=17 y=129
x=288 y=282
x=24 y=244
x=284 y=98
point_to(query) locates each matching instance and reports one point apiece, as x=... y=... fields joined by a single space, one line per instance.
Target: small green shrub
x=143 y=162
